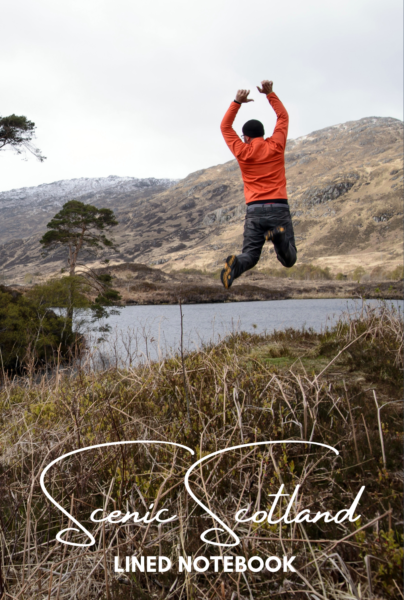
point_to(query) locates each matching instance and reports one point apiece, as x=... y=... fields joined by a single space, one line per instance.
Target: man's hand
x=266 y=87
x=242 y=96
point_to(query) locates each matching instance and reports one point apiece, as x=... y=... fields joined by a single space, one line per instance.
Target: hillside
x=345 y=186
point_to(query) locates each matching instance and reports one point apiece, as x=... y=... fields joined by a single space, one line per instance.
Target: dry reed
x=294 y=385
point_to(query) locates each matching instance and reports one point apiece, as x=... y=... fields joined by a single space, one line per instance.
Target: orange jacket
x=262 y=162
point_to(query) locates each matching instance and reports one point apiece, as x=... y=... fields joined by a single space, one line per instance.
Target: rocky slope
x=345 y=186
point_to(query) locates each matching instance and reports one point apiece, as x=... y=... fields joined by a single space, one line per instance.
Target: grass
x=193 y=271
x=342 y=388
x=301 y=272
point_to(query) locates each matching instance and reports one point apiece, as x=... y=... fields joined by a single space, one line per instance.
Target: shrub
x=397 y=273
x=358 y=273
x=30 y=333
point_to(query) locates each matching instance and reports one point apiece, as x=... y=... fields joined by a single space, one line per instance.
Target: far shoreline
x=262 y=290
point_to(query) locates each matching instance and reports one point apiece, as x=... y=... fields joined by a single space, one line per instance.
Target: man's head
x=253 y=129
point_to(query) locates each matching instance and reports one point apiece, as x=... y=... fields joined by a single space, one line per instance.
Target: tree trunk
x=70 y=296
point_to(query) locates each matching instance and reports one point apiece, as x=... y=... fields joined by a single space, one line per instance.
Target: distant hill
x=25 y=212
x=345 y=187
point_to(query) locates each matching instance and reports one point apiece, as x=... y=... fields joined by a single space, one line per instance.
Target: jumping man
x=262 y=165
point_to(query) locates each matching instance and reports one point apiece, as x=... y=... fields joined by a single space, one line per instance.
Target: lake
x=151 y=332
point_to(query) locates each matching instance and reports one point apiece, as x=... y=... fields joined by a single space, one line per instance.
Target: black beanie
x=253 y=129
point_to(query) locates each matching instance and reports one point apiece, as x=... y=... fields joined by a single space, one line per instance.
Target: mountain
x=345 y=186
x=25 y=212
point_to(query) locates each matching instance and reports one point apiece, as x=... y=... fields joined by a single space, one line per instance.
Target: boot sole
x=226 y=273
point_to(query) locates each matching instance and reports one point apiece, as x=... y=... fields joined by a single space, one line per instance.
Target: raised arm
x=231 y=138
x=280 y=133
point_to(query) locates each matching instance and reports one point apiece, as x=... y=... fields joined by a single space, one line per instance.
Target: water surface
x=150 y=332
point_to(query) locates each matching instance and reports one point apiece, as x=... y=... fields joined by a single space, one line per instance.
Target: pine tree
x=17 y=132
x=78 y=227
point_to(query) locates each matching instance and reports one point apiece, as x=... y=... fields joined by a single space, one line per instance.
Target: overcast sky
x=138 y=88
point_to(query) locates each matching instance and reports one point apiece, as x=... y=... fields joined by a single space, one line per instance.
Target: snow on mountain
x=57 y=193
x=26 y=211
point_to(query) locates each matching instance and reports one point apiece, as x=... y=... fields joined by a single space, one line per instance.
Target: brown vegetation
x=342 y=388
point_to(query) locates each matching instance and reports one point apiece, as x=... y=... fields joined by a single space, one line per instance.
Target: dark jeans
x=257 y=223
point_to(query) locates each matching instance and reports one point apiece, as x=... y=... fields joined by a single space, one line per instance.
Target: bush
x=357 y=274
x=60 y=293
x=397 y=273
x=30 y=333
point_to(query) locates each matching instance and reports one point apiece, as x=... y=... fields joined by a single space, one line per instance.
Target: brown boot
x=227 y=274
